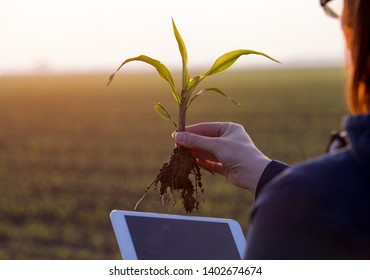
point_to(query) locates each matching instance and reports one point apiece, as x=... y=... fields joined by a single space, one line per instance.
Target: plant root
x=173 y=178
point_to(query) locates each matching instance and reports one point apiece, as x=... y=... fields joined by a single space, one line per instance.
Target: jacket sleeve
x=272 y=169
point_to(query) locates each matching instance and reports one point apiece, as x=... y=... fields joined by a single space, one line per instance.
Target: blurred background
x=72 y=150
x=93 y=35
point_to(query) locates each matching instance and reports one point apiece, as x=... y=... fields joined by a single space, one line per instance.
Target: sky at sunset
x=96 y=35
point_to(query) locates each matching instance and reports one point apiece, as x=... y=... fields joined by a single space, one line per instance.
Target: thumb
x=193 y=141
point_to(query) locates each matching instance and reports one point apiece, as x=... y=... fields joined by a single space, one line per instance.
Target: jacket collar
x=358 y=129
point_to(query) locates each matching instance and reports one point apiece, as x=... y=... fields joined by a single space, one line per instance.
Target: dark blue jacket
x=319 y=209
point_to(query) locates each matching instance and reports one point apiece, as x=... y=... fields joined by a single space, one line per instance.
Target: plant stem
x=182 y=117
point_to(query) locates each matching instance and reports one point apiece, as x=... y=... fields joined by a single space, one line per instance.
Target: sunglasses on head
x=333 y=10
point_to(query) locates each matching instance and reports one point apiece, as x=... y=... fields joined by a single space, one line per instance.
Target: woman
x=319 y=209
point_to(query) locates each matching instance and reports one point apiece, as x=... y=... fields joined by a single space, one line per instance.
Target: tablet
x=150 y=236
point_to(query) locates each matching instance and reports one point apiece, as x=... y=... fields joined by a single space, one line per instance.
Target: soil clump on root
x=173 y=179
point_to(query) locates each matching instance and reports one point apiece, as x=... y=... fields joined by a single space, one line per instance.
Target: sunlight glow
x=96 y=35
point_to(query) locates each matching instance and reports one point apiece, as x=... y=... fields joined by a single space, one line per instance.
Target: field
x=72 y=150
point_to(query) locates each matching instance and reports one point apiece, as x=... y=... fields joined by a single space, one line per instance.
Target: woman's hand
x=226 y=149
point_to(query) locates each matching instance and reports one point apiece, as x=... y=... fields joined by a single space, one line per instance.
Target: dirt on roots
x=174 y=180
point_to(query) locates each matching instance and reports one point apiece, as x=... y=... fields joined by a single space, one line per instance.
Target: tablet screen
x=160 y=238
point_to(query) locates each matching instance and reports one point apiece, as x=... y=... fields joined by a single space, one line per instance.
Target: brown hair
x=357 y=13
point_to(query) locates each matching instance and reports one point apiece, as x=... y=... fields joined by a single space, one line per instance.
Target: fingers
x=209 y=136
x=207 y=140
x=210 y=129
x=220 y=129
x=194 y=141
x=201 y=147
x=215 y=167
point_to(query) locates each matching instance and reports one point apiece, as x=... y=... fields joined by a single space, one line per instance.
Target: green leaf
x=164 y=113
x=161 y=69
x=216 y=90
x=228 y=59
x=193 y=83
x=184 y=56
x=221 y=64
